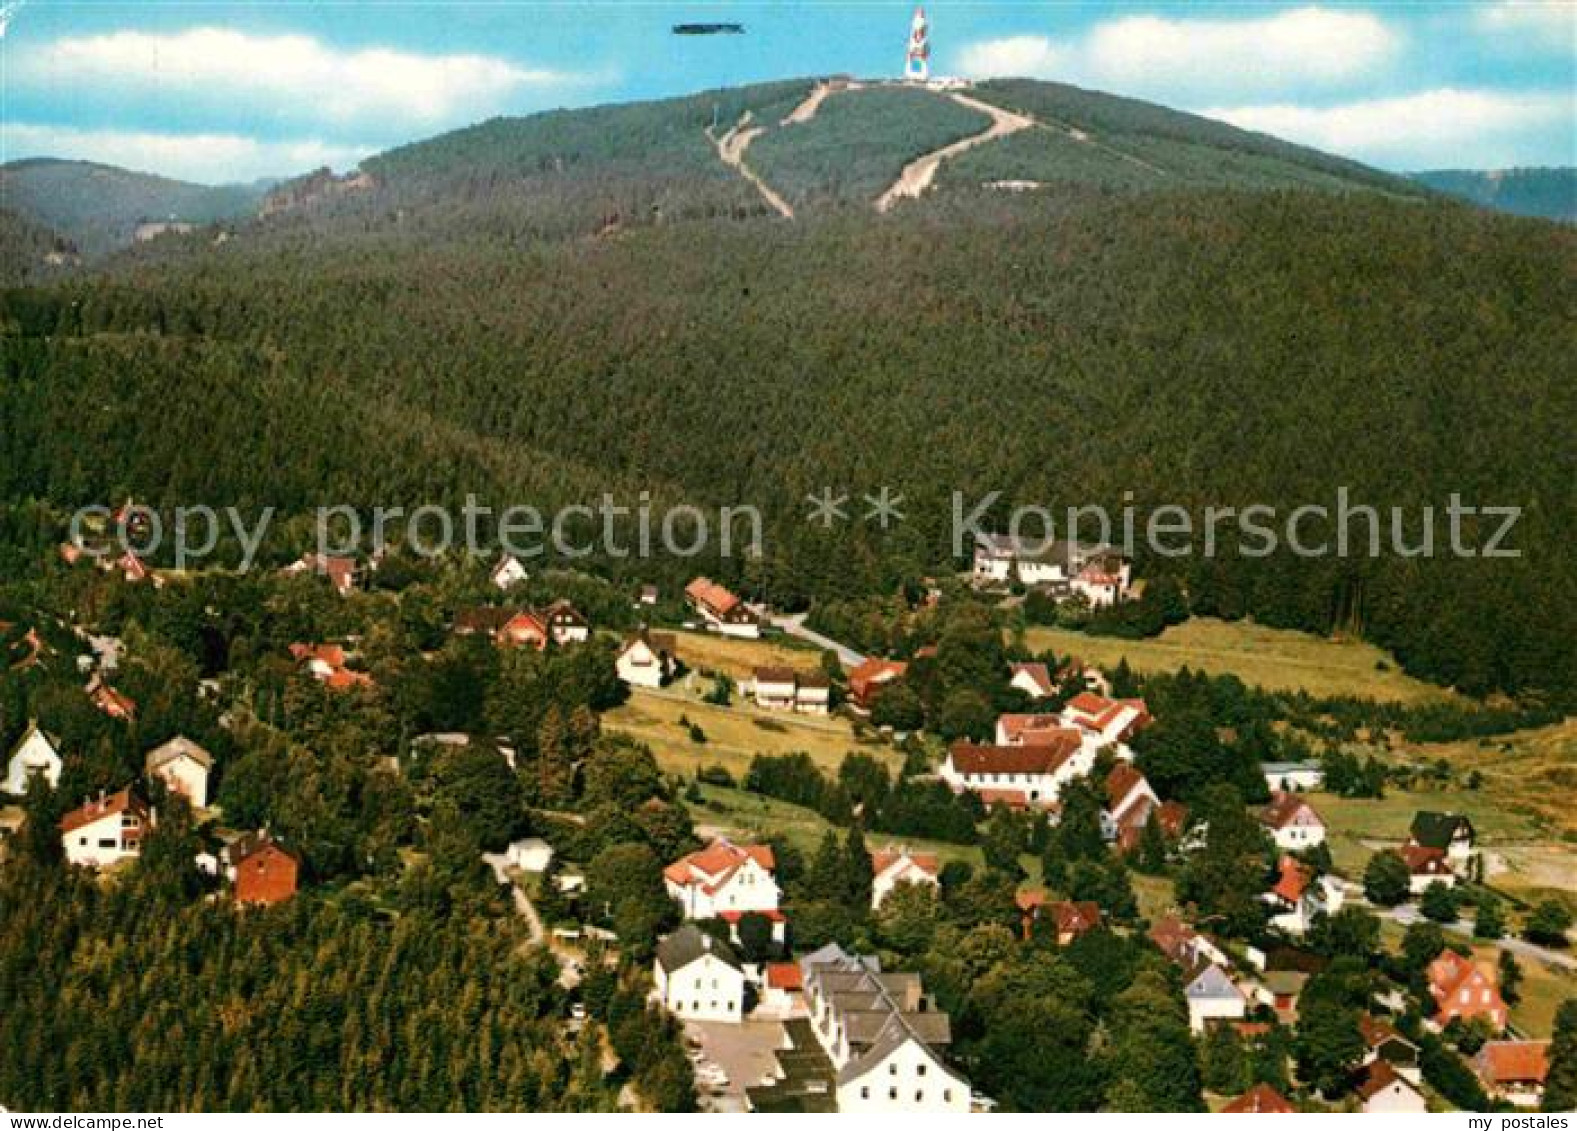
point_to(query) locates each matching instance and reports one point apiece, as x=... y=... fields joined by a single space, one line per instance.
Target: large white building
x=882 y=1034
x=724 y=879
x=1095 y=571
x=1029 y=776
x=183 y=766
x=105 y=831
x=34 y=754
x=698 y=977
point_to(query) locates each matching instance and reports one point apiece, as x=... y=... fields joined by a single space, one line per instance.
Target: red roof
x=711 y=596
x=1122 y=781
x=1379 y=1076
x=711 y=867
x=1261 y=1099
x=883 y=859
x=1426 y=861
x=1012 y=798
x=866 y=677
x=1513 y=1062
x=1070 y=918
x=1037 y=730
x=1039 y=758
x=1174 y=937
x=785 y=976
x=1284 y=809
x=1099 y=712
x=1038 y=675
x=122 y=801
x=1294 y=880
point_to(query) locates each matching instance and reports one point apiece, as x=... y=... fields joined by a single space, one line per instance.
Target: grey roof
x=1288 y=767
x=177 y=747
x=1207 y=980
x=690 y=943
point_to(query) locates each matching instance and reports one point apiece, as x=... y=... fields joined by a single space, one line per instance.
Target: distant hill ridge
x=1550 y=193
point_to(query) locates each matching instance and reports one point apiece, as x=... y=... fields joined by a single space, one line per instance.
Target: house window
x=920 y=1070
x=892 y=1069
x=918 y=1096
x=947 y=1095
x=892 y=1093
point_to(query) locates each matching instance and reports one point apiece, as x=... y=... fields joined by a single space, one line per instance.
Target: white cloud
x=204 y=158
x=290 y=75
x=1200 y=57
x=1550 y=23
x=1444 y=128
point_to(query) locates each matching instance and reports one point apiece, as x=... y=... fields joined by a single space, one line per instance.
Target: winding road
x=919 y=174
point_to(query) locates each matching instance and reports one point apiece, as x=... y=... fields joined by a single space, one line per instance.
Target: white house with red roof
x=340 y=571
x=1027 y=776
x=1297 y=897
x=1113 y=721
x=1292 y=822
x=106 y=830
x=1129 y=800
x=1426 y=866
x=1033 y=680
x=893 y=866
x=508 y=573
x=722 y=610
x=725 y=878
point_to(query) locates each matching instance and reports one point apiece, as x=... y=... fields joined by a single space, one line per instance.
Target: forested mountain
x=1549 y=193
x=31 y=252
x=98 y=207
x=540 y=310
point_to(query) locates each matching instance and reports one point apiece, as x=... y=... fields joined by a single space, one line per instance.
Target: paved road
x=1408 y=914
x=795 y=626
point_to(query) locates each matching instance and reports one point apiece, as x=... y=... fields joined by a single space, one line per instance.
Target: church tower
x=917 y=64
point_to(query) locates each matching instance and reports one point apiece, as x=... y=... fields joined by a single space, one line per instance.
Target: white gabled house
x=893 y=866
x=722 y=610
x=648 y=659
x=1032 y=775
x=1211 y=995
x=698 y=977
x=1129 y=801
x=1033 y=680
x=106 y=830
x=508 y=573
x=1292 y=822
x=1297 y=897
x=724 y=878
x=35 y=754
x=1112 y=721
x=183 y=766
x=784 y=689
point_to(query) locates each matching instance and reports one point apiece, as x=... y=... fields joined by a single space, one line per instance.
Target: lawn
x=736 y=813
x=734 y=734
x=1272 y=658
x=738 y=658
x=1356 y=828
x=1530 y=771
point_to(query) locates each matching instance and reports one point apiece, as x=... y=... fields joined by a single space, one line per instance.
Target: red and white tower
x=917 y=64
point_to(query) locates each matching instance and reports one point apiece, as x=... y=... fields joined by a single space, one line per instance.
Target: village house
x=646 y=595
x=784 y=689
x=1514 y=1071
x=1211 y=995
x=721 y=610
x=1426 y=866
x=1261 y=1099
x=1092 y=570
x=508 y=573
x=698 y=977
x=326 y=663
x=565 y=623
x=113 y=703
x=529 y=854
x=1185 y=946
x=1297 y=897
x=647 y=659
x=1066 y=919
x=35 y=753
x=1451 y=833
x=1292 y=823
x=262 y=870
x=1030 y=776
x=1033 y=680
x=106 y=830
x=782 y=990
x=868 y=678
x=341 y=571
x=1292 y=777
x=1461 y=988
x=183 y=767
x=883 y=1035
x=1111 y=721
x=1382 y=1042
x=1385 y=1092
x=1129 y=802
x=893 y=866
x=724 y=877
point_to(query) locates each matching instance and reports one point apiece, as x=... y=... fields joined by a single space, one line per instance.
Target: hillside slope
x=98 y=207
x=1547 y=193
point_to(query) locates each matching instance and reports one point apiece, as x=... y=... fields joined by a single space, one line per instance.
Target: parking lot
x=744 y=1052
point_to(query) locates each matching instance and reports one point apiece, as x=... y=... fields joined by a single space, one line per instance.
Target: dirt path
x=731 y=148
x=918 y=175
x=806 y=110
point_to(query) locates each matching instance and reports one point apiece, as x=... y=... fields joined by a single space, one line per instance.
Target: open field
x=1272 y=658
x=734 y=812
x=735 y=734
x=1357 y=827
x=737 y=658
x=1543 y=989
x=1530 y=771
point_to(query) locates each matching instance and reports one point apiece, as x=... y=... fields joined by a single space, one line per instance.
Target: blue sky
x=221 y=92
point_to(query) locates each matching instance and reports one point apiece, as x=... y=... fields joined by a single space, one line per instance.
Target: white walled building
x=34 y=753
x=699 y=978
x=183 y=766
x=105 y=831
x=1292 y=823
x=893 y=866
x=724 y=878
x=1028 y=776
x=648 y=659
